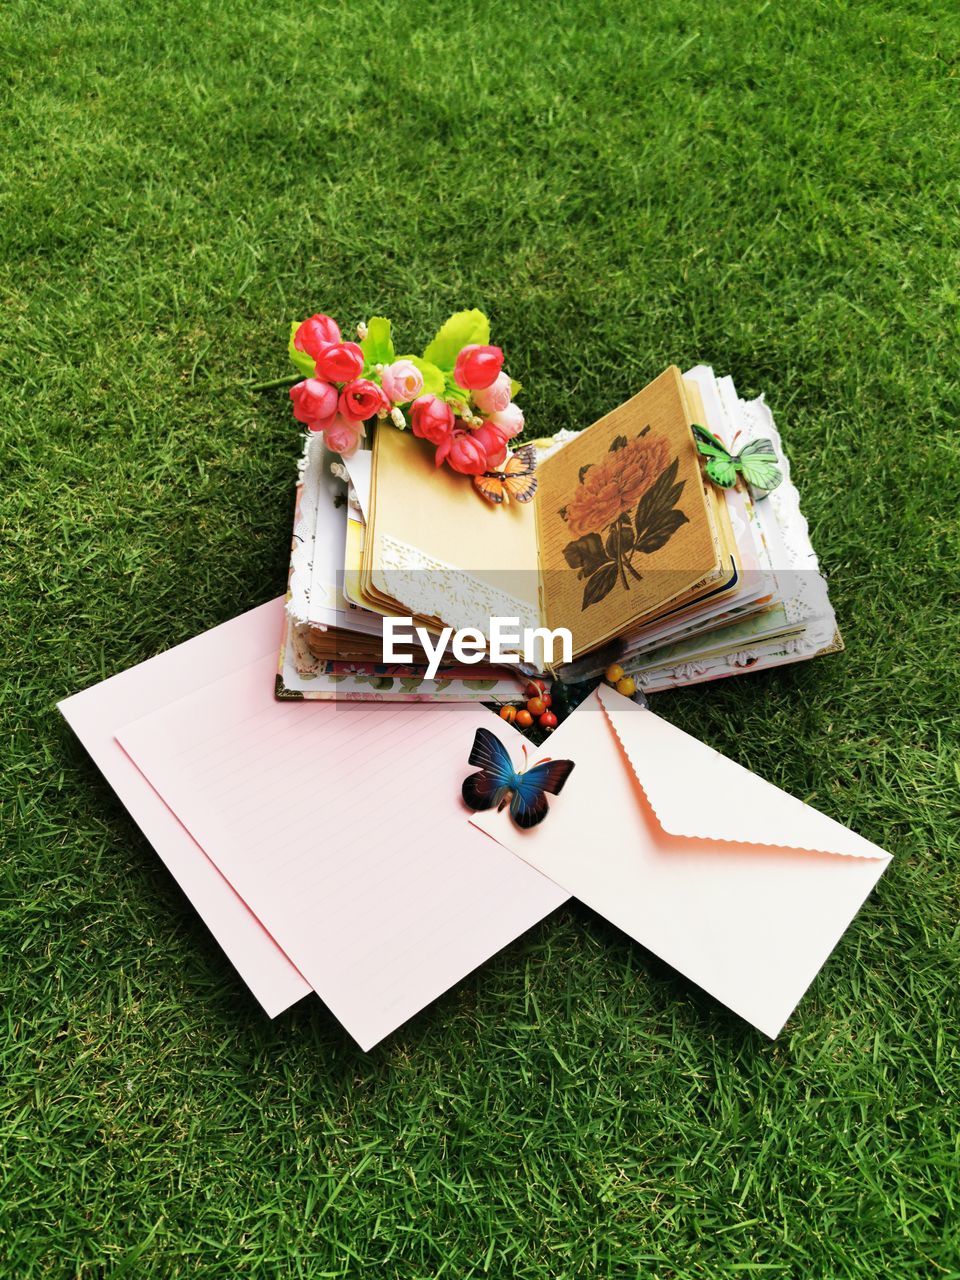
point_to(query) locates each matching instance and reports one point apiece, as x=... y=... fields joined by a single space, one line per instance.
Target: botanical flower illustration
x=612 y=487
x=624 y=506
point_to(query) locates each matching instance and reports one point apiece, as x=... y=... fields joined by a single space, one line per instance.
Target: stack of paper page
x=627 y=544
x=328 y=847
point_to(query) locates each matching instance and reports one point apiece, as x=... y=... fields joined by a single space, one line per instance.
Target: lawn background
x=769 y=187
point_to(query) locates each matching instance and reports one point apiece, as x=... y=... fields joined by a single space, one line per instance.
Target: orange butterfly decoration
x=514 y=479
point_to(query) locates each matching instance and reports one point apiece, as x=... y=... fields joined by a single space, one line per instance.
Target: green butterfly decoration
x=756 y=462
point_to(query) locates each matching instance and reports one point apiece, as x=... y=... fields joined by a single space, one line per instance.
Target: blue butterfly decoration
x=499 y=782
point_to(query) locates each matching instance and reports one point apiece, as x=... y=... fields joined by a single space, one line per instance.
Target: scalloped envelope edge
x=742 y=888
x=742 y=808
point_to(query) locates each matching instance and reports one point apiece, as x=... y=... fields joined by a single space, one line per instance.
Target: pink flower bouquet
x=457 y=397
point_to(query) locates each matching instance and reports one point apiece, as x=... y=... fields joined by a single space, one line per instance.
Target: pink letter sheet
x=340 y=825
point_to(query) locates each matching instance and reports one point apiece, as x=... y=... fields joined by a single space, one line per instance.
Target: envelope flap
x=697 y=793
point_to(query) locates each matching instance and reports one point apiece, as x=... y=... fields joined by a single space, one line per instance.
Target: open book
x=622 y=527
x=627 y=544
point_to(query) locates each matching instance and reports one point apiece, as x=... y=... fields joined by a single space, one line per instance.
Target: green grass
x=770 y=187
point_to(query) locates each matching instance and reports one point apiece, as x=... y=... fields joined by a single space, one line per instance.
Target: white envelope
x=741 y=887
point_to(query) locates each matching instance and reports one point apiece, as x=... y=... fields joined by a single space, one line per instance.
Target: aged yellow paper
x=623 y=523
x=436 y=547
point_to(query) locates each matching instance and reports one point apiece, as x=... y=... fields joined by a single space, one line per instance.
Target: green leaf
x=377 y=346
x=600 y=585
x=433 y=380
x=302 y=362
x=660 y=531
x=658 y=499
x=618 y=442
x=620 y=538
x=515 y=386
x=583 y=471
x=461 y=329
x=375 y=681
x=452 y=393
x=585 y=554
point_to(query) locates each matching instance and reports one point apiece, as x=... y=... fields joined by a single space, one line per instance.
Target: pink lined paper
x=341 y=826
x=97 y=713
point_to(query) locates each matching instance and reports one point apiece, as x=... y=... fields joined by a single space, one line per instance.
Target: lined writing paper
x=341 y=826
x=97 y=713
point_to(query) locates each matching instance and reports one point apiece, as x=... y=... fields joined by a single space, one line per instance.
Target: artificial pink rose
x=464 y=453
x=493 y=443
x=431 y=419
x=509 y=420
x=339 y=362
x=402 y=381
x=314 y=402
x=496 y=397
x=343 y=436
x=477 y=367
x=361 y=399
x=315 y=334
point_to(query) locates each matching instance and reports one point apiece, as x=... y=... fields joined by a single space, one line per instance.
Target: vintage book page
x=622 y=518
x=436 y=547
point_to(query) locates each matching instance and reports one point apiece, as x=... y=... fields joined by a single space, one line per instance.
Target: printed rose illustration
x=624 y=506
x=614 y=486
